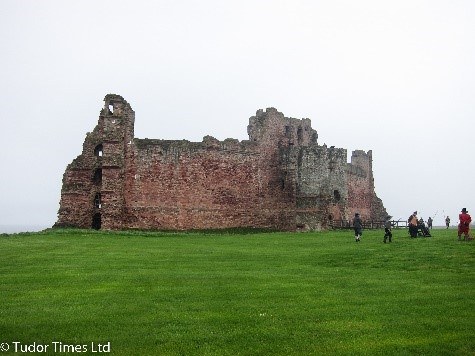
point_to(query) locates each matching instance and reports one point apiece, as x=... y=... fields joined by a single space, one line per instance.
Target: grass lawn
x=238 y=294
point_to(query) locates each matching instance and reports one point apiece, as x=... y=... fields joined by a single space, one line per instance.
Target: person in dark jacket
x=387 y=230
x=447 y=222
x=358 y=226
x=429 y=223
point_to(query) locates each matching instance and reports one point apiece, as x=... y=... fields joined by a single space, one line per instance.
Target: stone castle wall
x=280 y=178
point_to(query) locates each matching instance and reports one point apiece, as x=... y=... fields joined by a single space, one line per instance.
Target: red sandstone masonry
x=279 y=179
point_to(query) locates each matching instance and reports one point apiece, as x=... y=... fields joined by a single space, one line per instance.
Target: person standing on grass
x=429 y=223
x=358 y=226
x=447 y=222
x=464 y=224
x=387 y=229
x=421 y=223
x=413 y=224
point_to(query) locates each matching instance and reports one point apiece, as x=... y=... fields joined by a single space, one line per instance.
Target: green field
x=223 y=293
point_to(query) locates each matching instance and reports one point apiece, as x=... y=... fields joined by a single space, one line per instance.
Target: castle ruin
x=280 y=178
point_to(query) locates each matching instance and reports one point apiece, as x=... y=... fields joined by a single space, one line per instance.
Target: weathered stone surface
x=280 y=178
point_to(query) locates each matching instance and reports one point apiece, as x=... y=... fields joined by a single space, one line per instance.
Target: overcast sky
x=394 y=77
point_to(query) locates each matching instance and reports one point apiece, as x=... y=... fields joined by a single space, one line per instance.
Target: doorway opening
x=96 y=221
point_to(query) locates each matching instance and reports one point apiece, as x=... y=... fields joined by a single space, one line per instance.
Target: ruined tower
x=93 y=184
x=280 y=178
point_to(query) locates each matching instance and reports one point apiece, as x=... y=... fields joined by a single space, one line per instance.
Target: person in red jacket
x=464 y=225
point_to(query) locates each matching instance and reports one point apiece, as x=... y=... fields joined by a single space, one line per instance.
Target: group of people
x=417 y=226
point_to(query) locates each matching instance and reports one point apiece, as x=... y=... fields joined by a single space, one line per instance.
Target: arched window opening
x=97 y=178
x=330 y=217
x=336 y=195
x=96 y=221
x=111 y=108
x=97 y=201
x=99 y=150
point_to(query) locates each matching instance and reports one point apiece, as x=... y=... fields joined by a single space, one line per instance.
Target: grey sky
x=395 y=77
